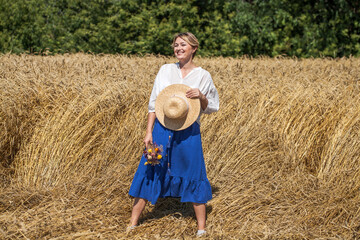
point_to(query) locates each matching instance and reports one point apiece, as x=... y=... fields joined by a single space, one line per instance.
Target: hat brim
x=176 y=124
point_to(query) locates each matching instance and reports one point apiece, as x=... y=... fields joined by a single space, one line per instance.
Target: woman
x=184 y=173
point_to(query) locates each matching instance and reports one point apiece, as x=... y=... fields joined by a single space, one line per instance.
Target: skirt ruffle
x=198 y=191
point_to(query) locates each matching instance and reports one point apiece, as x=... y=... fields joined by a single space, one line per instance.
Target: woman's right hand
x=148 y=140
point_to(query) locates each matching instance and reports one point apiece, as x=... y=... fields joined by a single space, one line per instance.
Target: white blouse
x=198 y=78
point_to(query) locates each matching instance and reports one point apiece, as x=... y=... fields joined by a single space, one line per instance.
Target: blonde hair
x=189 y=38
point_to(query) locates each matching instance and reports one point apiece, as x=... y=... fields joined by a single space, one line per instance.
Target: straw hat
x=174 y=110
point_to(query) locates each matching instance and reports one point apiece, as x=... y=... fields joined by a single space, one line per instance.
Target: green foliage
x=228 y=28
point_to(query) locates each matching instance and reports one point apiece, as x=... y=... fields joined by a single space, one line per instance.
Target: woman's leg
x=200 y=213
x=139 y=205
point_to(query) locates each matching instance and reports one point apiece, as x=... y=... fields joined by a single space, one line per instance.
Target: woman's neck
x=186 y=65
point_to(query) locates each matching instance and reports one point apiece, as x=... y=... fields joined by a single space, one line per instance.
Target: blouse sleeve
x=151 y=106
x=154 y=92
x=211 y=94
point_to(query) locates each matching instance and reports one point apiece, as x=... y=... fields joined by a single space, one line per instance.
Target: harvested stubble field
x=282 y=154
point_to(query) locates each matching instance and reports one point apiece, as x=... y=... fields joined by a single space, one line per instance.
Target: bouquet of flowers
x=153 y=154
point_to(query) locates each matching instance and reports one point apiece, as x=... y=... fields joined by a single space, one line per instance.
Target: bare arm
x=150 y=123
x=203 y=101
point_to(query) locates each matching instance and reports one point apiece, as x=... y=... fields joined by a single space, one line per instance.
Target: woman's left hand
x=194 y=93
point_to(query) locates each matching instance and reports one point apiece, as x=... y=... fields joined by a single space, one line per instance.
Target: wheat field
x=282 y=154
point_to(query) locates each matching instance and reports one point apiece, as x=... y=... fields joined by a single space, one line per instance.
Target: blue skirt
x=182 y=171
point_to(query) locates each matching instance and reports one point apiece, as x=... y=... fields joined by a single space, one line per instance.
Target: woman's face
x=183 y=50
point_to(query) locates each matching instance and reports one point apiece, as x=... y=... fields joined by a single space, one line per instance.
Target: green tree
x=228 y=28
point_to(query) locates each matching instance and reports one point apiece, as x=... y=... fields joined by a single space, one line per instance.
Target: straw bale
x=282 y=155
